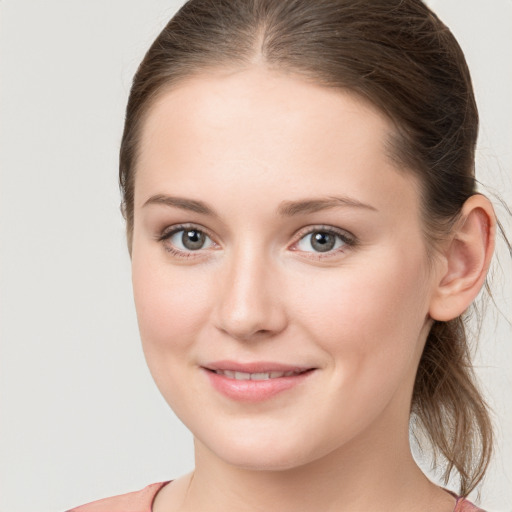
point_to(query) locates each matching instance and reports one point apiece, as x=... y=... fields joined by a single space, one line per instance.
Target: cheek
x=370 y=315
x=370 y=326
x=171 y=309
x=171 y=306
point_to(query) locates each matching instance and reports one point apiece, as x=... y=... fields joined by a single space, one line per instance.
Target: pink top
x=142 y=501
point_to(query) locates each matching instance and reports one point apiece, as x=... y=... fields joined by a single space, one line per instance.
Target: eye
x=323 y=240
x=186 y=239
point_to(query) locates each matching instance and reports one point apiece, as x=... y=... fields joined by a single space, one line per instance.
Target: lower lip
x=254 y=390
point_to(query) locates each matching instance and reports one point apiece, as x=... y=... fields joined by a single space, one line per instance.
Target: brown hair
x=399 y=56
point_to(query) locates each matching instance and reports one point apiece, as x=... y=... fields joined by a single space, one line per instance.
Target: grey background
x=80 y=417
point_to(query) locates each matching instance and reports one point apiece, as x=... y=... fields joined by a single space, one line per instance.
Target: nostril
x=247 y=334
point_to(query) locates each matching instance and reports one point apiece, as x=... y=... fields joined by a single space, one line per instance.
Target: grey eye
x=190 y=239
x=320 y=241
x=193 y=239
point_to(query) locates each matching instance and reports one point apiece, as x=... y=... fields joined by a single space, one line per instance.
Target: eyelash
x=349 y=240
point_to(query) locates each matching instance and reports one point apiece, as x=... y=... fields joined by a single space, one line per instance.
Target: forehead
x=268 y=130
x=259 y=104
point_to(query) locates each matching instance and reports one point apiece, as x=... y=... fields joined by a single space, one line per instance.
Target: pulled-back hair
x=399 y=56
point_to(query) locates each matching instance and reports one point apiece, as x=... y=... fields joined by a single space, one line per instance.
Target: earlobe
x=466 y=260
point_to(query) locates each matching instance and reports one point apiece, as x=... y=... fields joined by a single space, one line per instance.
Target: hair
x=397 y=55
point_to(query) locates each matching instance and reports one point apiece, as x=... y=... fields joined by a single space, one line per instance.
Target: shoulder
x=463 y=505
x=138 y=501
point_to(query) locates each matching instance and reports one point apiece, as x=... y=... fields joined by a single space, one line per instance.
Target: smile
x=254 y=382
x=256 y=376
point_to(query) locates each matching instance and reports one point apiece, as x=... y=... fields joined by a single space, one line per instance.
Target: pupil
x=322 y=242
x=193 y=239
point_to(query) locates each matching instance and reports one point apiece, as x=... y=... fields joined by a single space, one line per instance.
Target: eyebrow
x=285 y=209
x=182 y=203
x=304 y=206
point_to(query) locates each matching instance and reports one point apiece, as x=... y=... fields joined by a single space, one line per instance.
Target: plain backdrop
x=80 y=417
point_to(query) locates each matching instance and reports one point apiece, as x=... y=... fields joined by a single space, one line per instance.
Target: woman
x=305 y=233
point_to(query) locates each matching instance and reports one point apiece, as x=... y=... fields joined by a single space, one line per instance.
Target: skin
x=246 y=143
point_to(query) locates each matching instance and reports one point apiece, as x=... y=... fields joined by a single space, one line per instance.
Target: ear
x=465 y=260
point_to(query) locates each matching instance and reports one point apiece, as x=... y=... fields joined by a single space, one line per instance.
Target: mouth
x=254 y=382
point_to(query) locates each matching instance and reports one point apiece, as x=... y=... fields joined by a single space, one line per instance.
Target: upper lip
x=254 y=367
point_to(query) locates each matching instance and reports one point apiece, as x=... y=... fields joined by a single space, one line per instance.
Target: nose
x=250 y=305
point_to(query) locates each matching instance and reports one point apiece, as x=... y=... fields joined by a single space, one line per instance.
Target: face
x=280 y=273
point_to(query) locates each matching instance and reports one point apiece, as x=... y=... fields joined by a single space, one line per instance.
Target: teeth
x=260 y=376
x=255 y=376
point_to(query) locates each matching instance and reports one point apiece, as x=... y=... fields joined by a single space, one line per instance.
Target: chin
x=261 y=453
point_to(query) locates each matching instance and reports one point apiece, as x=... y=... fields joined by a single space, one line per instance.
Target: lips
x=254 y=382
